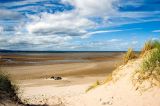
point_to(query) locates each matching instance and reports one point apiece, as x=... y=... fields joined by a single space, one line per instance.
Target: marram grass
x=129 y=55
x=8 y=87
x=152 y=58
x=150 y=68
x=147 y=46
x=96 y=84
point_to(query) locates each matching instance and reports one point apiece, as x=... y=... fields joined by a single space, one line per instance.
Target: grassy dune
x=150 y=65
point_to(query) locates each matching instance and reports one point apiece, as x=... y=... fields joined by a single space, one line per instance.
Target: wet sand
x=32 y=72
x=34 y=66
x=95 y=66
x=26 y=68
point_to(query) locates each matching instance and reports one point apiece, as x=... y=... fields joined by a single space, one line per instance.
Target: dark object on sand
x=56 y=78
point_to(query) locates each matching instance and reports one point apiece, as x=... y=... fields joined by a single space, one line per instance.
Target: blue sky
x=87 y=25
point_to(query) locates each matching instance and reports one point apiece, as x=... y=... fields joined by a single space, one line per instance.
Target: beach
x=32 y=73
x=86 y=79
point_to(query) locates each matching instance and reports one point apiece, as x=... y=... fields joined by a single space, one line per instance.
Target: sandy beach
x=34 y=80
x=36 y=87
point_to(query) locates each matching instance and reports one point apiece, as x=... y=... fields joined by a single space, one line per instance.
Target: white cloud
x=103 y=31
x=8 y=14
x=71 y=23
x=98 y=32
x=114 y=40
x=93 y=7
x=36 y=40
x=156 y=31
x=1 y=29
x=66 y=23
x=57 y=30
x=20 y=3
x=33 y=42
x=109 y=9
x=155 y=38
x=103 y=45
x=106 y=31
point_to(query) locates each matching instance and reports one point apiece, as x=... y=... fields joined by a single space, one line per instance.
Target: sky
x=78 y=25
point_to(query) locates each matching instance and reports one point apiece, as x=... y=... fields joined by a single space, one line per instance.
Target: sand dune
x=119 y=92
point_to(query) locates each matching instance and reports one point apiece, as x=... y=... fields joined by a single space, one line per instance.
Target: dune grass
x=150 y=68
x=8 y=87
x=5 y=84
x=152 y=58
x=96 y=84
x=147 y=46
x=129 y=55
x=151 y=61
x=108 y=78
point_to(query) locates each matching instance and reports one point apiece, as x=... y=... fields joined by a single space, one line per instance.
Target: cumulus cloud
x=58 y=29
x=60 y=23
x=93 y=7
x=55 y=28
x=72 y=23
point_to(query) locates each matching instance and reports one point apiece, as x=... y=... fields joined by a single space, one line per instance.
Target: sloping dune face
x=121 y=91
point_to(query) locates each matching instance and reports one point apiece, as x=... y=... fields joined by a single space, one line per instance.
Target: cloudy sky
x=87 y=25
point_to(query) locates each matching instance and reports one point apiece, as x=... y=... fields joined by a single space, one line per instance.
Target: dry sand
x=119 y=92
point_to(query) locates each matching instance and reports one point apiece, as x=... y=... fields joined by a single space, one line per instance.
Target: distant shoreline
x=19 y=51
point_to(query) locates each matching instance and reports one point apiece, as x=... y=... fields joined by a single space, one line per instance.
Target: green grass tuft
x=129 y=55
x=152 y=58
x=150 y=68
